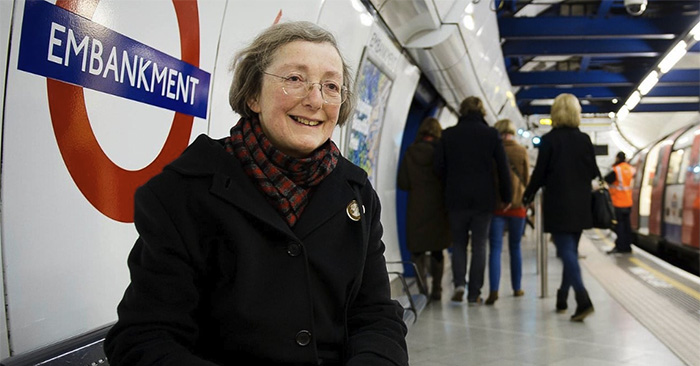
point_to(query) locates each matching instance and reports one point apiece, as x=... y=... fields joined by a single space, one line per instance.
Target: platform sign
x=71 y=52
x=100 y=96
x=65 y=46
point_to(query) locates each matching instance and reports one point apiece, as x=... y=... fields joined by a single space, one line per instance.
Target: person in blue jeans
x=565 y=167
x=567 y=251
x=512 y=218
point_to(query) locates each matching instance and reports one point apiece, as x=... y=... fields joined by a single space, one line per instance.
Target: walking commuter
x=565 y=167
x=512 y=218
x=620 y=181
x=427 y=228
x=264 y=247
x=465 y=159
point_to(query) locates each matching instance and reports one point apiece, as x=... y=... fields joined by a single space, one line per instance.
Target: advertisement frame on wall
x=373 y=87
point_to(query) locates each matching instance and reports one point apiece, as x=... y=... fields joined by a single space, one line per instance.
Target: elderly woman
x=511 y=217
x=566 y=166
x=264 y=247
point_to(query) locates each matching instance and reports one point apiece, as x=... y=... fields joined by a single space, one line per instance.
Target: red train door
x=646 y=180
x=637 y=162
x=690 y=232
x=658 y=184
x=675 y=187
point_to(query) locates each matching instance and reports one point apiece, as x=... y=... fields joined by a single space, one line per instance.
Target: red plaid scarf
x=286 y=181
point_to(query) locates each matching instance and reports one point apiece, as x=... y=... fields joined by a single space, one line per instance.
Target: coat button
x=303 y=338
x=293 y=249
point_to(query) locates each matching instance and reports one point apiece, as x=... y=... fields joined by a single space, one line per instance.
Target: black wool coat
x=427 y=226
x=465 y=158
x=565 y=167
x=219 y=278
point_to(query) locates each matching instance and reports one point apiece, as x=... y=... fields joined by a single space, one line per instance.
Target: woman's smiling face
x=297 y=126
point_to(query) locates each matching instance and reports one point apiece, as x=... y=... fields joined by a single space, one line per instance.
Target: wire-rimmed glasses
x=331 y=92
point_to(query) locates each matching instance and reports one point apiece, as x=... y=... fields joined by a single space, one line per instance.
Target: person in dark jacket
x=427 y=228
x=465 y=159
x=565 y=167
x=264 y=247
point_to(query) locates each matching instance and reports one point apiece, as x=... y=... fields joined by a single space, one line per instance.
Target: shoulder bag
x=602 y=207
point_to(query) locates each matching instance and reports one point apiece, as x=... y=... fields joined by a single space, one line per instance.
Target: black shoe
x=561 y=300
x=584 y=307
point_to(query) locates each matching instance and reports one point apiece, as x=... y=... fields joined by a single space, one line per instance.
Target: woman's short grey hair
x=566 y=111
x=249 y=64
x=505 y=126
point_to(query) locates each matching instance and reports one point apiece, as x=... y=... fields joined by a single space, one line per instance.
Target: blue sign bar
x=61 y=45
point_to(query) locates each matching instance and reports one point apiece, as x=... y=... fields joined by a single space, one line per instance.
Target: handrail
x=541 y=245
x=412 y=306
x=421 y=286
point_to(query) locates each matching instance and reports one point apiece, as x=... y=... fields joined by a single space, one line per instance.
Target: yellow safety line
x=670 y=280
x=689 y=291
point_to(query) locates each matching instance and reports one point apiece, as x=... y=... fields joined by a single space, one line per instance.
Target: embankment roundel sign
x=82 y=53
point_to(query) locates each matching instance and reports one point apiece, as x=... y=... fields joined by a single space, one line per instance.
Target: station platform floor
x=647 y=313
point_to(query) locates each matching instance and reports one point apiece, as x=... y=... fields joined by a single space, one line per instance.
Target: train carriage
x=666 y=209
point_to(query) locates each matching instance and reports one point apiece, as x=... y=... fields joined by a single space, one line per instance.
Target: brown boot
x=436 y=270
x=493 y=296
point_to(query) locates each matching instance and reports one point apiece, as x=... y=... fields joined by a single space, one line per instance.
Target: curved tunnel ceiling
x=450 y=54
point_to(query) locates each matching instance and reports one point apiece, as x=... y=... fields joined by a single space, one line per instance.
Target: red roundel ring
x=108 y=187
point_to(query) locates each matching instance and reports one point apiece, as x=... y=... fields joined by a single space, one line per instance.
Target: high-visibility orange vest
x=621 y=188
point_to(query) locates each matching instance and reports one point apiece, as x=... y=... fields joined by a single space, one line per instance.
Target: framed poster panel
x=372 y=88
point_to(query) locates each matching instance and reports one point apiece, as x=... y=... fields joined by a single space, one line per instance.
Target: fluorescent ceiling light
x=672 y=58
x=357 y=4
x=622 y=113
x=469 y=9
x=366 y=19
x=649 y=82
x=662 y=100
x=542 y=102
x=695 y=32
x=468 y=22
x=633 y=100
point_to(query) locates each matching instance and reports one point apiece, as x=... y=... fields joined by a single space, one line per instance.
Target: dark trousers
x=623 y=229
x=461 y=224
